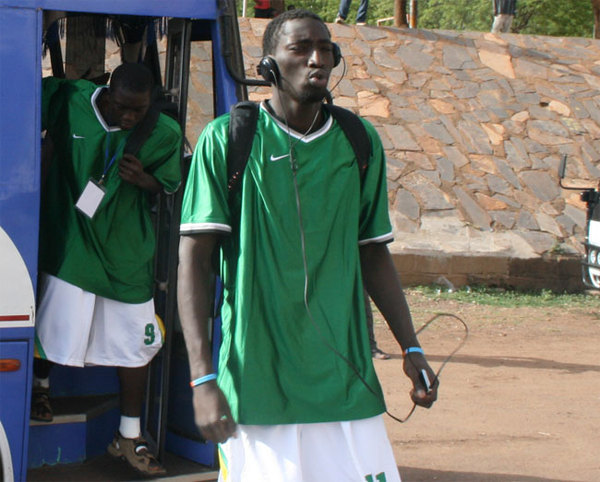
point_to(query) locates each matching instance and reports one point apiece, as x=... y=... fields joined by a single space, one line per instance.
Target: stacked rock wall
x=474 y=126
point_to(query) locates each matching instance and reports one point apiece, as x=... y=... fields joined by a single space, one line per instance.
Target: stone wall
x=474 y=126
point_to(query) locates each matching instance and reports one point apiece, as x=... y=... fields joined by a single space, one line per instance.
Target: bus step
x=103 y=468
x=83 y=426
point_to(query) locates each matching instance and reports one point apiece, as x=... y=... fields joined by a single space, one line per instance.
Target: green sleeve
x=205 y=201
x=166 y=145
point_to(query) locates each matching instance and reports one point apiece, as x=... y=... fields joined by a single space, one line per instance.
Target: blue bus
x=86 y=410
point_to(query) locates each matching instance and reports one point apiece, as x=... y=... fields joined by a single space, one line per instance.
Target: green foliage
x=572 y=18
x=535 y=17
x=485 y=295
x=328 y=9
x=554 y=17
x=456 y=14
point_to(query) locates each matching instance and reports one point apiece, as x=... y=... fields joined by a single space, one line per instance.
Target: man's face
x=126 y=109
x=304 y=54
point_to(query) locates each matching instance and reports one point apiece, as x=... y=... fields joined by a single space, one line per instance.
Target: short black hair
x=271 y=35
x=132 y=77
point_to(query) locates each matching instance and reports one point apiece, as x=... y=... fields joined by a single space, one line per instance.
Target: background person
x=361 y=15
x=262 y=9
x=504 y=13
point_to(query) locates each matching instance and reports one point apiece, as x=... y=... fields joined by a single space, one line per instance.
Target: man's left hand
x=132 y=171
x=425 y=382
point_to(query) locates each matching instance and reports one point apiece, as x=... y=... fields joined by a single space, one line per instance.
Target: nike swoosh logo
x=276 y=158
x=75 y=136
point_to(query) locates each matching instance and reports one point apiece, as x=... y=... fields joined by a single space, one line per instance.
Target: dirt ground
x=519 y=402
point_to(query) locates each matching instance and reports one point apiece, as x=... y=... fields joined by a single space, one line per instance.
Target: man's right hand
x=212 y=413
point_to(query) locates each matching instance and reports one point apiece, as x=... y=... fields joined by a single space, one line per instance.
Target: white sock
x=130 y=427
x=41 y=382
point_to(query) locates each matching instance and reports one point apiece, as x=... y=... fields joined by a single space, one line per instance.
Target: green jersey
x=111 y=254
x=292 y=338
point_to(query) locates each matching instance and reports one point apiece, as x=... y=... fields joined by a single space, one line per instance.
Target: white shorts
x=354 y=451
x=76 y=328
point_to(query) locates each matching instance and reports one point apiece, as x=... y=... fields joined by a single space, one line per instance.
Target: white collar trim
x=298 y=135
x=103 y=123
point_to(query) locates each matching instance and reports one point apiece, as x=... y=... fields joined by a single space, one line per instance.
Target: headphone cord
x=294 y=168
x=287 y=127
x=335 y=350
x=338 y=82
x=349 y=363
x=444 y=363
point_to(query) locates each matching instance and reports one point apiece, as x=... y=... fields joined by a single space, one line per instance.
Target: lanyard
x=109 y=163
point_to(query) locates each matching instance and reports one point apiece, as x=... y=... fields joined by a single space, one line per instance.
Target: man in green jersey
x=296 y=397
x=97 y=240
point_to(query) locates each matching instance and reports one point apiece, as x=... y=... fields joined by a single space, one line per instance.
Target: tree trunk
x=596 y=7
x=400 y=13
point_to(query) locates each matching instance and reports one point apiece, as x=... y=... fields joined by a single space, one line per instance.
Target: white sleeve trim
x=384 y=238
x=193 y=228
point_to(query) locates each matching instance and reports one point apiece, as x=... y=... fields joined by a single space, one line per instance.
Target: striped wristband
x=414 y=349
x=204 y=379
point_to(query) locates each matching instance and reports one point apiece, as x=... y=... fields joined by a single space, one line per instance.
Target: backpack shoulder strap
x=242 y=127
x=142 y=131
x=356 y=134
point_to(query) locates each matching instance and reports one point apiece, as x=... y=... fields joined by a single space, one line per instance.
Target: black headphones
x=268 y=69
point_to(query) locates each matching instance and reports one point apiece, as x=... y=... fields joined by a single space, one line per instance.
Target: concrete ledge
x=557 y=273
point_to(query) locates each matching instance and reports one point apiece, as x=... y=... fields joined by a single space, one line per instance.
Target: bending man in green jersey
x=97 y=240
x=296 y=397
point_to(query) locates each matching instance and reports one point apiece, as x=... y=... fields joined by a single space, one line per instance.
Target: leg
x=261 y=13
x=127 y=336
x=361 y=15
x=133 y=387
x=40 y=394
x=502 y=23
x=41 y=368
x=129 y=444
x=343 y=9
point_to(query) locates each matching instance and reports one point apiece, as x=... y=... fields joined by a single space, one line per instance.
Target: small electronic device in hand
x=425 y=380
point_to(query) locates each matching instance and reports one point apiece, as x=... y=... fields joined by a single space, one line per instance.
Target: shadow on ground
x=412 y=474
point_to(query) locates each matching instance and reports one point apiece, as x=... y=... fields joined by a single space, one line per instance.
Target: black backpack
x=242 y=127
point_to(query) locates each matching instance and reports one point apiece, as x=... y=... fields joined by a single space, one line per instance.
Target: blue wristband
x=204 y=379
x=414 y=349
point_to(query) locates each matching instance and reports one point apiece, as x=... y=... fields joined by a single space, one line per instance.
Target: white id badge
x=90 y=198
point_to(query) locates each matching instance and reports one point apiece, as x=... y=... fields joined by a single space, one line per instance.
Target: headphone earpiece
x=337 y=54
x=268 y=69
